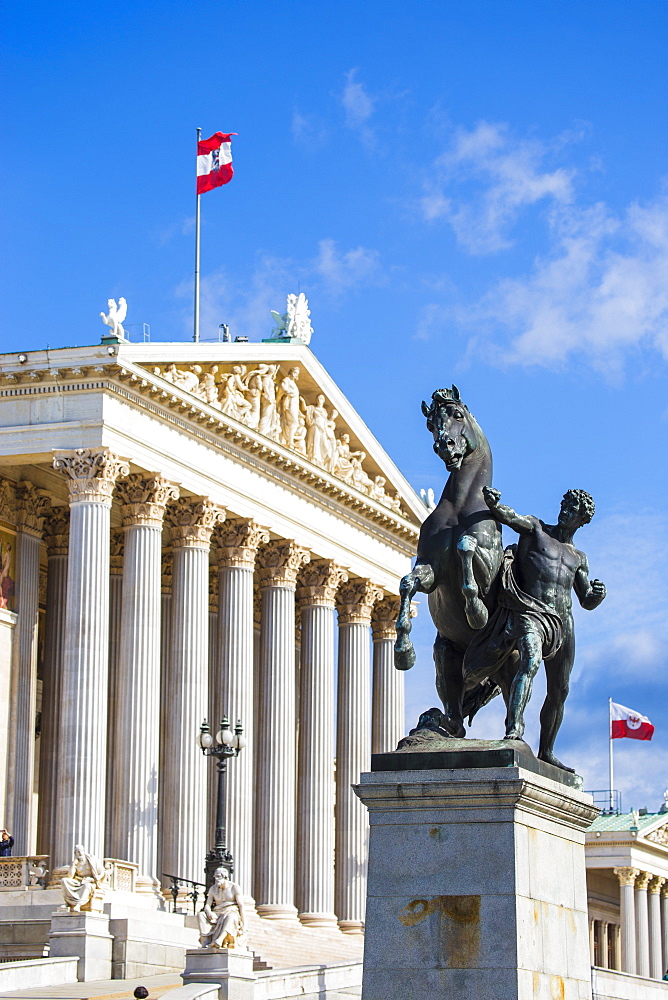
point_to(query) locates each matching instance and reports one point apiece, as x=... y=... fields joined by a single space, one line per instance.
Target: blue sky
x=470 y=192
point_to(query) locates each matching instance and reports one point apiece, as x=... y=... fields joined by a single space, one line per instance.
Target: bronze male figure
x=533 y=620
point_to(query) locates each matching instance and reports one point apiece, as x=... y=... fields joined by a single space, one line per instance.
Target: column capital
x=116 y=551
x=144 y=498
x=318 y=583
x=92 y=473
x=57 y=531
x=656 y=883
x=31 y=506
x=192 y=520
x=626 y=876
x=279 y=562
x=238 y=542
x=384 y=617
x=355 y=600
x=643 y=880
x=166 y=570
x=7 y=500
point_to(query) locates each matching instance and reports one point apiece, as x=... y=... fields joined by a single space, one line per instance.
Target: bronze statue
x=458 y=558
x=534 y=619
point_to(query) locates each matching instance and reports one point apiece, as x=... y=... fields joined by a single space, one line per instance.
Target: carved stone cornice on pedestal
x=192 y=520
x=116 y=551
x=643 y=880
x=656 y=883
x=626 y=876
x=56 y=531
x=7 y=500
x=31 y=506
x=384 y=617
x=318 y=583
x=355 y=601
x=279 y=562
x=238 y=542
x=166 y=570
x=143 y=499
x=92 y=474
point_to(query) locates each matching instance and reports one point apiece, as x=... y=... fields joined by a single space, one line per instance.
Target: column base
x=351 y=927
x=325 y=920
x=84 y=936
x=277 y=911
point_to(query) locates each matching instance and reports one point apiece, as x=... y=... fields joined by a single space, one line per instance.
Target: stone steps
x=286 y=944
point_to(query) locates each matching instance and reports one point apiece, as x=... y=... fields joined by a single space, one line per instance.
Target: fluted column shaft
x=56 y=533
x=238 y=542
x=185 y=781
x=642 y=925
x=655 y=942
x=353 y=748
x=279 y=562
x=387 y=701
x=117 y=545
x=83 y=731
x=664 y=925
x=315 y=783
x=31 y=507
x=136 y=723
x=165 y=674
x=627 y=877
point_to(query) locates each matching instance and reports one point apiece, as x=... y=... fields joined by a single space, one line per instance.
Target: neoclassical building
x=189 y=530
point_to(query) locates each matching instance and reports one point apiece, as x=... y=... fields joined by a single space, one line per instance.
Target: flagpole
x=196 y=325
x=610 y=745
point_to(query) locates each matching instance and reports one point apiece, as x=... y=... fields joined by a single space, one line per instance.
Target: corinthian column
x=116 y=550
x=655 y=943
x=30 y=509
x=642 y=925
x=136 y=723
x=279 y=562
x=192 y=521
x=238 y=542
x=316 y=594
x=83 y=733
x=353 y=745
x=56 y=536
x=387 y=708
x=627 y=878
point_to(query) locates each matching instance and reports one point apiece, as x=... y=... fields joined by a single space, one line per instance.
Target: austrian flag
x=214 y=161
x=625 y=722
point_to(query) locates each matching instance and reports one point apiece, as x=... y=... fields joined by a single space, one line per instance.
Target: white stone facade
x=150 y=497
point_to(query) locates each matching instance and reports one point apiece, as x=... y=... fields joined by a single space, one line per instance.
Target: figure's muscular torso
x=546 y=567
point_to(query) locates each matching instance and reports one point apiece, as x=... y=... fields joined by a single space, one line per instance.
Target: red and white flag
x=626 y=722
x=214 y=161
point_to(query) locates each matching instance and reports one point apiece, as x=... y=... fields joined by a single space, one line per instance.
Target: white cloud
x=308 y=131
x=358 y=105
x=601 y=291
x=342 y=270
x=482 y=182
x=244 y=303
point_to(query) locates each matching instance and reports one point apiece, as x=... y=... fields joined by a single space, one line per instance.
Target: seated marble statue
x=86 y=874
x=221 y=921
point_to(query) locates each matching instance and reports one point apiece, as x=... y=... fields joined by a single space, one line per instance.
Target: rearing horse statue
x=458 y=558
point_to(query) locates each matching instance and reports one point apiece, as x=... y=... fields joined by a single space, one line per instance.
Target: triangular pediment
x=283 y=393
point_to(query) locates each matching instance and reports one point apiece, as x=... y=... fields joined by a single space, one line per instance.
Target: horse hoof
x=404 y=659
x=476 y=614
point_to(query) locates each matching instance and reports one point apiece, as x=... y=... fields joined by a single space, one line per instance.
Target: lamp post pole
x=226 y=744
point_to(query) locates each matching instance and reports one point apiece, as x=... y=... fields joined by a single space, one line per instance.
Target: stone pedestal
x=84 y=936
x=476 y=882
x=232 y=969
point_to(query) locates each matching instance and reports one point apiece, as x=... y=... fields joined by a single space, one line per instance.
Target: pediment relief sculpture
x=270 y=401
x=659 y=836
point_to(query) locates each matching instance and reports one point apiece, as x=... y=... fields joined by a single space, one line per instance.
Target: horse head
x=455 y=430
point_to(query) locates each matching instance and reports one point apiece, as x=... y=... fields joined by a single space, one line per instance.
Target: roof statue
x=114 y=318
x=295 y=321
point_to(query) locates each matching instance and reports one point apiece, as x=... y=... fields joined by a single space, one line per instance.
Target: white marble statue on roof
x=114 y=318
x=295 y=321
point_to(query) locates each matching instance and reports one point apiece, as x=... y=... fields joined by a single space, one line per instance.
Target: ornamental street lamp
x=226 y=744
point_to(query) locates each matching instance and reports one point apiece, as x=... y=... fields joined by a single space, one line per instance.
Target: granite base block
x=476 y=881
x=232 y=969
x=84 y=936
